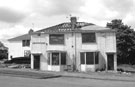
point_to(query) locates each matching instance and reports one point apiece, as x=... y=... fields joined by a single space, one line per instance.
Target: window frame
x=50 y=58
x=56 y=60
x=85 y=35
x=95 y=62
x=65 y=62
x=51 y=42
x=26 y=43
x=82 y=54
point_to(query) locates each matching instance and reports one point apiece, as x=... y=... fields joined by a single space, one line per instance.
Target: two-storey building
x=74 y=45
x=19 y=46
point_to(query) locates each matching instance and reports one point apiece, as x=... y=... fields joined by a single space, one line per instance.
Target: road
x=10 y=81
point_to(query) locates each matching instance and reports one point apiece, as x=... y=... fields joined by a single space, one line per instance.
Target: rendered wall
x=105 y=42
x=16 y=49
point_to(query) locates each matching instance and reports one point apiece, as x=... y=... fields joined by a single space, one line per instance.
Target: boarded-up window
x=56 y=38
x=82 y=58
x=55 y=58
x=89 y=58
x=63 y=58
x=88 y=38
x=25 y=43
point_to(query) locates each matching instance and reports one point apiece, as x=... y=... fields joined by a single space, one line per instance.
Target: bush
x=3 y=56
x=18 y=60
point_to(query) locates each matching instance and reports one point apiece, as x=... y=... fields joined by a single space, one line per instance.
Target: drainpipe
x=73 y=26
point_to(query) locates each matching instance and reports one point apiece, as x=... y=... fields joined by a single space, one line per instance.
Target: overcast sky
x=18 y=16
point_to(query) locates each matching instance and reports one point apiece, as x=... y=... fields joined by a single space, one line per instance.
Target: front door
x=110 y=61
x=36 y=61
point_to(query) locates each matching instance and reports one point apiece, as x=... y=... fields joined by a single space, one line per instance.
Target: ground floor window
x=89 y=58
x=57 y=58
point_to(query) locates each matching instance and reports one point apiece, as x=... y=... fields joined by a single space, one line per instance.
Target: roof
x=79 y=27
x=22 y=37
x=65 y=27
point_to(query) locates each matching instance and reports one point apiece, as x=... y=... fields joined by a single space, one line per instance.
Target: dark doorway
x=110 y=61
x=36 y=61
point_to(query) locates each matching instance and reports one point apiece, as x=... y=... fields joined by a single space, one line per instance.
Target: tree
x=125 y=37
x=3 y=51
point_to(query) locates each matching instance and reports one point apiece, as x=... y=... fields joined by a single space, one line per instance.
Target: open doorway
x=36 y=61
x=110 y=61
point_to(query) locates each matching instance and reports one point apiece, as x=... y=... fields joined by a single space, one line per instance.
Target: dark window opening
x=25 y=43
x=63 y=58
x=49 y=59
x=96 y=58
x=88 y=38
x=82 y=58
x=56 y=39
x=89 y=58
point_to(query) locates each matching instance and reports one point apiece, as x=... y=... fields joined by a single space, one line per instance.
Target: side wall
x=16 y=49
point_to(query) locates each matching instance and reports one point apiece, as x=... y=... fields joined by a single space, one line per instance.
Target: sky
x=17 y=17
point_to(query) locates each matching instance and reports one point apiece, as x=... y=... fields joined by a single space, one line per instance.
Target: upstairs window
x=88 y=38
x=56 y=38
x=25 y=43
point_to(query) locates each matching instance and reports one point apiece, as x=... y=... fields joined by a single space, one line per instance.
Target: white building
x=73 y=45
x=19 y=46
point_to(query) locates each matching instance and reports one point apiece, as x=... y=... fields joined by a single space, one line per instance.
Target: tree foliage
x=125 y=37
x=3 y=51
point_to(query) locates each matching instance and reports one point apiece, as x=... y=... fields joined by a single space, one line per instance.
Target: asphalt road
x=9 y=81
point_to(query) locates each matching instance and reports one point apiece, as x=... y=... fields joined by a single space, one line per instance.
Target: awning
x=36 y=53
x=56 y=51
x=108 y=52
x=89 y=51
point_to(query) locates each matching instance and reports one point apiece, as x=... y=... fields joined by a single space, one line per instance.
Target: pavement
x=37 y=74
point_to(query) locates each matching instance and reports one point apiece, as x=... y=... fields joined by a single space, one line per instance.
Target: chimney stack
x=30 y=31
x=73 y=22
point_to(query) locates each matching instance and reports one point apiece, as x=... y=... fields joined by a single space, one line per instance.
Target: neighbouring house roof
x=65 y=27
x=22 y=37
